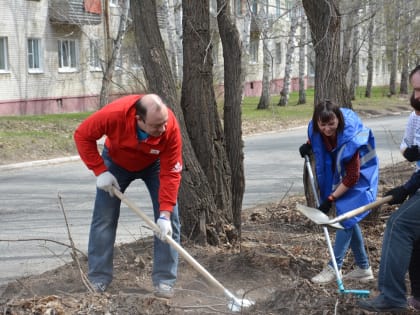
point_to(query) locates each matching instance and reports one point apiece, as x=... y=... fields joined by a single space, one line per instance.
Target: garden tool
x=235 y=304
x=341 y=289
x=321 y=218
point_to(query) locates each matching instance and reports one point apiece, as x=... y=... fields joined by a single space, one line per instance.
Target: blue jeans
x=351 y=237
x=104 y=227
x=401 y=232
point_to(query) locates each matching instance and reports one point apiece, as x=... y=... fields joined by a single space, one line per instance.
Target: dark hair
x=417 y=68
x=325 y=111
x=141 y=110
x=415 y=103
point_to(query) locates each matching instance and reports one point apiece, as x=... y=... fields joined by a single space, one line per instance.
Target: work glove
x=399 y=194
x=305 y=149
x=325 y=206
x=412 y=153
x=105 y=181
x=165 y=227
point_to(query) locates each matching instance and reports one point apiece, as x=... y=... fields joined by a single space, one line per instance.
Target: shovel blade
x=317 y=216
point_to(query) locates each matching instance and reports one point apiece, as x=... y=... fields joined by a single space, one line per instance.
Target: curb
x=39 y=163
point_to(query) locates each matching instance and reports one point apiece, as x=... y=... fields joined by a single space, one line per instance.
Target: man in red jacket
x=143 y=141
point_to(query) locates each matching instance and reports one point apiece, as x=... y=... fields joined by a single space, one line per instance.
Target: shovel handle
x=171 y=242
x=361 y=209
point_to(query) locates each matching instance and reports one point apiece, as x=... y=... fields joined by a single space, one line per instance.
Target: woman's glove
x=165 y=227
x=399 y=194
x=305 y=149
x=412 y=153
x=105 y=181
x=326 y=206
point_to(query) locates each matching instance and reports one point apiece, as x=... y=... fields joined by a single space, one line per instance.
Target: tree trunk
x=324 y=21
x=114 y=47
x=284 y=94
x=302 y=60
x=371 y=37
x=264 y=26
x=233 y=75
x=354 y=78
x=195 y=196
x=267 y=62
x=394 y=49
x=405 y=43
x=200 y=109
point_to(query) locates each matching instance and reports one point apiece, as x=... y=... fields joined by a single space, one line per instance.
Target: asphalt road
x=31 y=196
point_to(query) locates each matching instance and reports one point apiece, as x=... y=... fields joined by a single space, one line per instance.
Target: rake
x=235 y=304
x=341 y=289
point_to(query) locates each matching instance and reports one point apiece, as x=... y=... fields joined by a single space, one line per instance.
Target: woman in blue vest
x=346 y=168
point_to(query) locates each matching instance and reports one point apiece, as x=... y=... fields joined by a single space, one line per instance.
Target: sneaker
x=360 y=274
x=164 y=290
x=99 y=287
x=325 y=276
x=414 y=303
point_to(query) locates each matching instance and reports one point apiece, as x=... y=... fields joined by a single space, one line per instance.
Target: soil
x=280 y=250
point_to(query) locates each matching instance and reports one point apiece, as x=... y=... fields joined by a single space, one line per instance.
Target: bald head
x=152 y=114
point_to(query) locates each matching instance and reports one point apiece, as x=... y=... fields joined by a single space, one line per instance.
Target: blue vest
x=330 y=166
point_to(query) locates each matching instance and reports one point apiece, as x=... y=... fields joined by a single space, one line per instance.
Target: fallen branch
x=83 y=276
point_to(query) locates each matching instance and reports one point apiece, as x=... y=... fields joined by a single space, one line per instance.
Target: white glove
x=165 y=227
x=105 y=181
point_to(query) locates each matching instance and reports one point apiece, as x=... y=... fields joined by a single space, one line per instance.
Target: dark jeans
x=104 y=227
x=414 y=270
x=401 y=233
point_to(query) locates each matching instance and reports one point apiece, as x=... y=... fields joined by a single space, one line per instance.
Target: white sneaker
x=325 y=276
x=164 y=290
x=360 y=274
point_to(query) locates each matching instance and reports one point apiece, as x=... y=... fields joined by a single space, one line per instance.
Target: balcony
x=75 y=12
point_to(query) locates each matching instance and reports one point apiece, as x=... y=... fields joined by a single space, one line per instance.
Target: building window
x=278 y=10
x=34 y=55
x=94 y=61
x=278 y=53
x=254 y=6
x=4 y=63
x=67 y=55
x=238 y=7
x=253 y=49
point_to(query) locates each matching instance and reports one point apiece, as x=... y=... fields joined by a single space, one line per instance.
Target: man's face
x=415 y=82
x=155 y=122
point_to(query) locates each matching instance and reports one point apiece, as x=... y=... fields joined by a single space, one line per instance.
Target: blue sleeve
x=413 y=183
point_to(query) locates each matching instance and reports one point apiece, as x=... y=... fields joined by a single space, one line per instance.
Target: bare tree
x=371 y=36
x=264 y=24
x=112 y=49
x=284 y=94
x=199 y=213
x=233 y=75
x=302 y=60
x=324 y=20
x=200 y=108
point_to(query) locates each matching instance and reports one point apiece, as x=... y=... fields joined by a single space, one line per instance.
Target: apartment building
x=51 y=55
x=52 y=52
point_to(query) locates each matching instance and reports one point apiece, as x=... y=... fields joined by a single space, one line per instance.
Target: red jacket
x=118 y=123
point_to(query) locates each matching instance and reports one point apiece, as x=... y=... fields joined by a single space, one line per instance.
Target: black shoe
x=378 y=305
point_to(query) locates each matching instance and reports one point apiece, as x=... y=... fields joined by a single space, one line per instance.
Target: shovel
x=321 y=218
x=339 y=280
x=235 y=304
